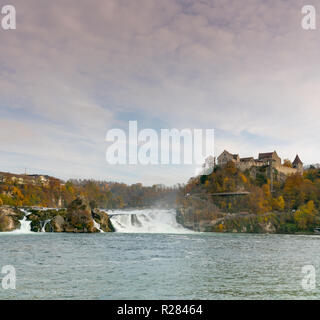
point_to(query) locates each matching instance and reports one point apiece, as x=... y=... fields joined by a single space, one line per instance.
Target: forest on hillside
x=298 y=194
x=102 y=194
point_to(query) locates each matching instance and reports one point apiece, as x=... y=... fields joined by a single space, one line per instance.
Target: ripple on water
x=161 y=266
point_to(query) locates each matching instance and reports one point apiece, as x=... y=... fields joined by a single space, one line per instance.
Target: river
x=152 y=257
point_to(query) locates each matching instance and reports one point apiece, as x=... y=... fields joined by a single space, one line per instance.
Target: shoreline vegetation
x=18 y=190
x=288 y=206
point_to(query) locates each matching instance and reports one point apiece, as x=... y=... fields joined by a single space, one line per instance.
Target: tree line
x=102 y=194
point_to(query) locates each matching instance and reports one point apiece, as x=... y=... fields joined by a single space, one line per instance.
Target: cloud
x=72 y=70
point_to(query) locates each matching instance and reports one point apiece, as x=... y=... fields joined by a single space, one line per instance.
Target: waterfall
x=25 y=225
x=97 y=226
x=146 y=221
x=43 y=229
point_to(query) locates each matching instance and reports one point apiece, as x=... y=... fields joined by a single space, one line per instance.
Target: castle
x=269 y=158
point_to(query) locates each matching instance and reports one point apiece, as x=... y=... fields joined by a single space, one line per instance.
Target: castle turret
x=297 y=164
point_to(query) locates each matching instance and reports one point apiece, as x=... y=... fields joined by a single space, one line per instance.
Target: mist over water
x=146 y=221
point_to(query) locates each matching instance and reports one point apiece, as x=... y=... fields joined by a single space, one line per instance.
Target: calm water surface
x=159 y=266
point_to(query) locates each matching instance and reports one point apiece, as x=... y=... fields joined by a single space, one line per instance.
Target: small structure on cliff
x=33 y=179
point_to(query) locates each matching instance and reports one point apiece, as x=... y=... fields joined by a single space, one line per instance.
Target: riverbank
x=215 y=221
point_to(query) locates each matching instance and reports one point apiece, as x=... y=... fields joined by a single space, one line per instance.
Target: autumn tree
x=305 y=215
x=287 y=163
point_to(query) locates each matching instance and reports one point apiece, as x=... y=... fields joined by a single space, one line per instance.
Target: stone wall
x=286 y=170
x=244 y=165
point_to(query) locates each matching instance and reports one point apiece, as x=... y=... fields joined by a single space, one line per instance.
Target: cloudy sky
x=75 y=69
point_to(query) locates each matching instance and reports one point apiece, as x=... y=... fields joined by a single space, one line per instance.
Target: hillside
x=45 y=191
x=292 y=206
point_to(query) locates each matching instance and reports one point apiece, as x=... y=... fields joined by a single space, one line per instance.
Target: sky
x=72 y=70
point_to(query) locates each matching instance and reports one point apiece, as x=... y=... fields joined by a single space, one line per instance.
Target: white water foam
x=146 y=221
x=25 y=225
x=97 y=226
x=43 y=229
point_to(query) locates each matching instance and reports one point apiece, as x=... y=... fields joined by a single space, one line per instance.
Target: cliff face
x=103 y=219
x=197 y=219
x=9 y=218
x=271 y=222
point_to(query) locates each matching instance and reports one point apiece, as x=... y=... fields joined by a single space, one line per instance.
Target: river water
x=158 y=263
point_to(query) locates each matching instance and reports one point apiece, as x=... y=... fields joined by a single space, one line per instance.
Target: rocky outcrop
x=58 y=223
x=43 y=218
x=270 y=222
x=198 y=214
x=200 y=220
x=103 y=219
x=249 y=223
x=9 y=218
x=77 y=218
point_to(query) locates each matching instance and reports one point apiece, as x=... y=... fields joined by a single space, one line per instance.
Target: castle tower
x=297 y=164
